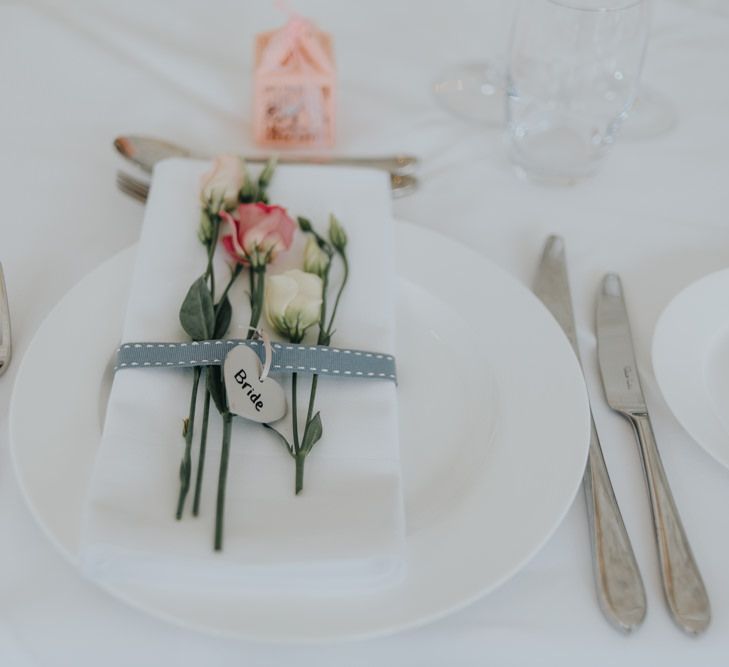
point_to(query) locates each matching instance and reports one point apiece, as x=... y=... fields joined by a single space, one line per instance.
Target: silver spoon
x=139 y=189
x=145 y=151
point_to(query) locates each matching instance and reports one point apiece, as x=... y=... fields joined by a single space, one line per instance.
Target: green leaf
x=216 y=387
x=337 y=235
x=312 y=433
x=281 y=437
x=222 y=318
x=184 y=471
x=197 y=314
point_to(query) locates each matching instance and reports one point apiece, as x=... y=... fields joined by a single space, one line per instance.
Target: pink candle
x=294 y=86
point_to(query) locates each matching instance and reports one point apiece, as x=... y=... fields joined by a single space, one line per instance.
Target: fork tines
x=132 y=186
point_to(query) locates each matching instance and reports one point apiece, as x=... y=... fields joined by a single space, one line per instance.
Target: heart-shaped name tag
x=249 y=396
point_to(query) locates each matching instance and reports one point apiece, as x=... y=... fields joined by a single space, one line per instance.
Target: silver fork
x=6 y=349
x=134 y=187
x=401 y=185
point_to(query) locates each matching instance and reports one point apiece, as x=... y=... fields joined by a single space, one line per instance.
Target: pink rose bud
x=256 y=233
x=220 y=186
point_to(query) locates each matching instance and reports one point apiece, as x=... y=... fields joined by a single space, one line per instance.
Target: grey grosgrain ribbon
x=286 y=358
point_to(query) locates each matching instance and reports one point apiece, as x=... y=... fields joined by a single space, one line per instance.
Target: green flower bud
x=267 y=174
x=337 y=235
x=205 y=229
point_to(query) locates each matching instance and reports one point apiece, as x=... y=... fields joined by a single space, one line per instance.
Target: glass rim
x=605 y=8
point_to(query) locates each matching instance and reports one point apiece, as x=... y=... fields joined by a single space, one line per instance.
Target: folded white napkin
x=345 y=532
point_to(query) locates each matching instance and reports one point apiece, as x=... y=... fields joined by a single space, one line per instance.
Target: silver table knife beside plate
x=145 y=152
x=6 y=349
x=683 y=586
x=620 y=589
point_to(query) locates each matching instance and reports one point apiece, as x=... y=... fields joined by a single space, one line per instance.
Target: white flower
x=316 y=260
x=293 y=302
x=219 y=188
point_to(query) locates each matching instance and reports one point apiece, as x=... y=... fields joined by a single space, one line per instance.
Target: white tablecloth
x=74 y=75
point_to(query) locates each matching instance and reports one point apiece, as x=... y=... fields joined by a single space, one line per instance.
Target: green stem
x=324 y=339
x=323 y=313
x=294 y=412
x=185 y=467
x=206 y=409
x=251 y=288
x=257 y=299
x=339 y=293
x=209 y=273
x=312 y=398
x=234 y=276
x=300 y=458
x=258 y=284
x=201 y=454
x=222 y=477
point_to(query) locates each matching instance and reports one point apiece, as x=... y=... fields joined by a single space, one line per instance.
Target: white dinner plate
x=691 y=361
x=490 y=465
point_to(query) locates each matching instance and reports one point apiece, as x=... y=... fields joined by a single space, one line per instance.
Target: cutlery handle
x=146 y=151
x=6 y=348
x=682 y=584
x=396 y=164
x=620 y=589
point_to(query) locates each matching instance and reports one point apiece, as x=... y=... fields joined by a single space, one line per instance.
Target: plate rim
x=661 y=327
x=417 y=621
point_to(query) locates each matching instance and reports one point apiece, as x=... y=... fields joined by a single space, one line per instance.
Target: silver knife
x=620 y=590
x=6 y=349
x=682 y=584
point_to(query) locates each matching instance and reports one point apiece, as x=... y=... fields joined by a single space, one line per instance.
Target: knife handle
x=619 y=585
x=685 y=592
x=6 y=347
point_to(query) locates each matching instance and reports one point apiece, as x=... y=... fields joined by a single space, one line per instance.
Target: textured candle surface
x=294 y=87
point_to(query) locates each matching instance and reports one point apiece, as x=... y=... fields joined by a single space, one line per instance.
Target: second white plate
x=490 y=466
x=691 y=361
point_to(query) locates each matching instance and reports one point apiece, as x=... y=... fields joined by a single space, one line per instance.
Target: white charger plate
x=691 y=361
x=490 y=466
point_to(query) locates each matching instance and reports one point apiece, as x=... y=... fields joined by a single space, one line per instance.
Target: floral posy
x=236 y=214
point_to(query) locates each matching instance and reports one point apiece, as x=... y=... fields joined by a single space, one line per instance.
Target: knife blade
x=683 y=586
x=620 y=589
x=615 y=350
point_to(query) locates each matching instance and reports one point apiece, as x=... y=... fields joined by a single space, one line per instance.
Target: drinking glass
x=573 y=74
x=474 y=91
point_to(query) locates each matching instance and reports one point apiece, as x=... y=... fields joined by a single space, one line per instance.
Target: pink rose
x=257 y=233
x=220 y=186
